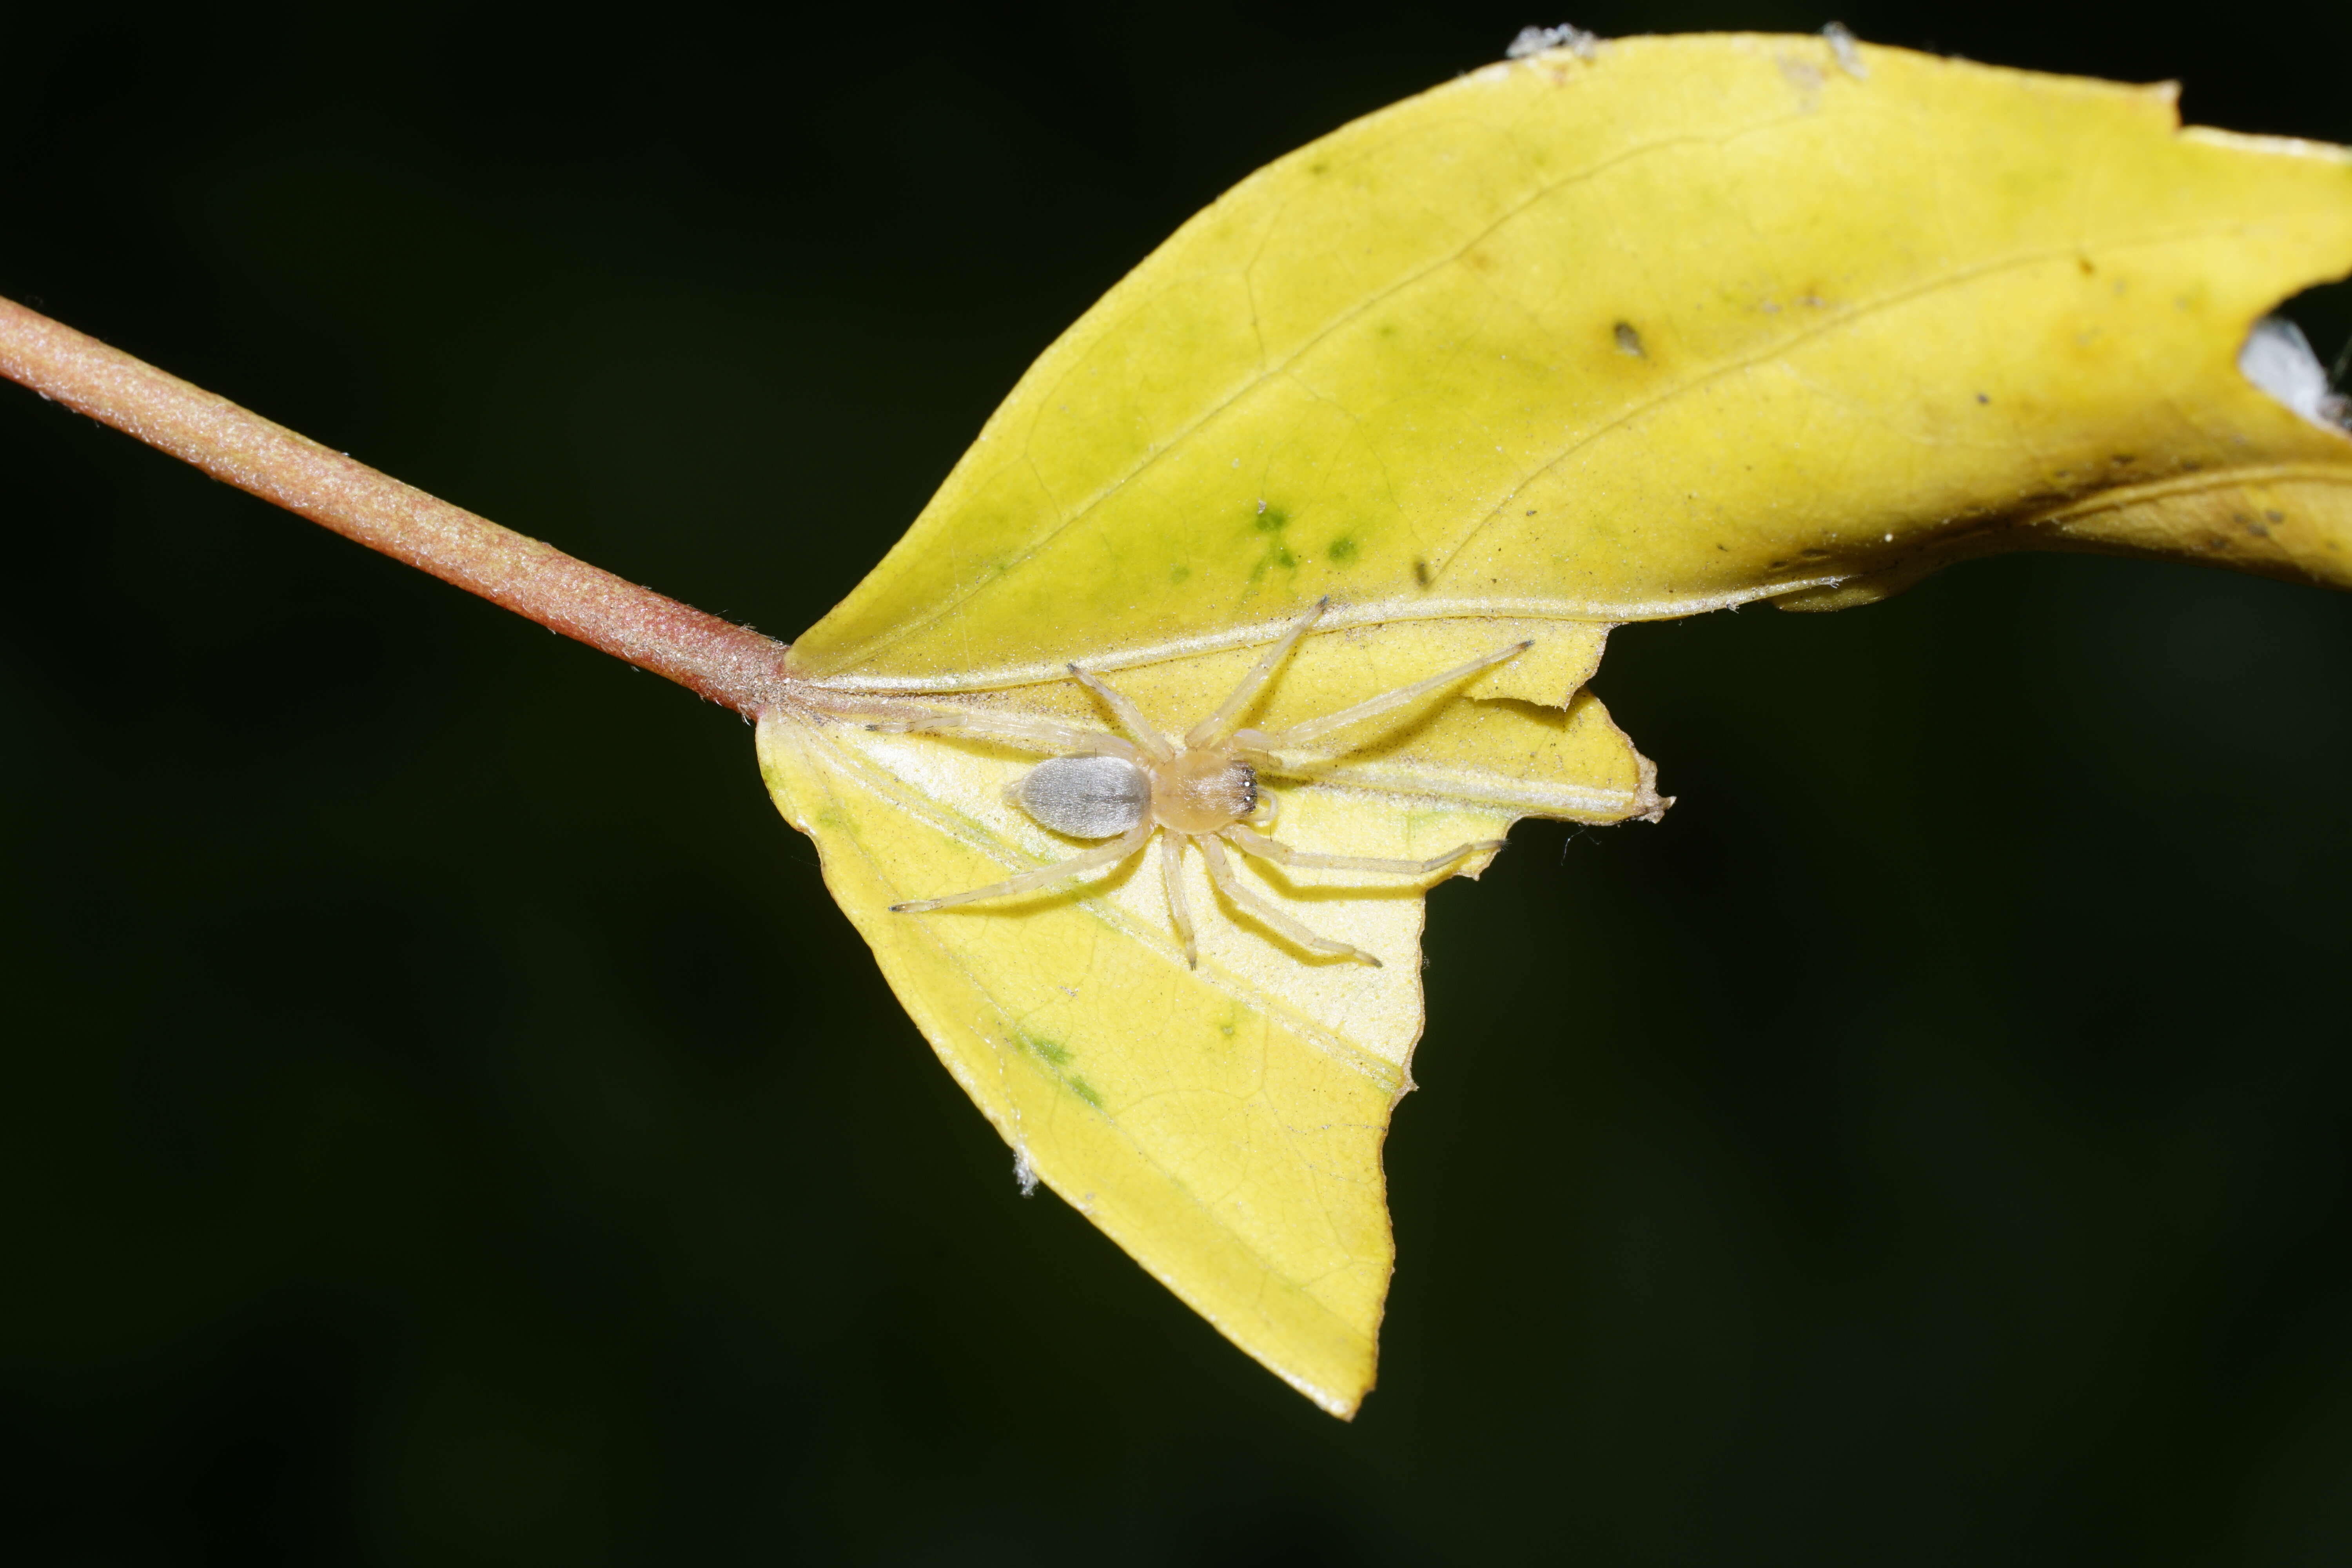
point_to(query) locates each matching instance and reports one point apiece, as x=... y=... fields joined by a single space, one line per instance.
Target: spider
x=1204 y=791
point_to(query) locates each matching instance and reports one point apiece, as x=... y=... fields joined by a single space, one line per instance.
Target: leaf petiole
x=727 y=664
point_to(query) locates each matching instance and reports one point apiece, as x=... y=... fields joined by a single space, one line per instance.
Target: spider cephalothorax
x=1203 y=789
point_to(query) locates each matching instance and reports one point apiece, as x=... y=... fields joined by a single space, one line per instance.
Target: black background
x=446 y=1122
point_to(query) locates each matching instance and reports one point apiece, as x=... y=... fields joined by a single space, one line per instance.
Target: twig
x=725 y=663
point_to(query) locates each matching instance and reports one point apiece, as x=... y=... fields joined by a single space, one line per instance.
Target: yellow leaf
x=1651 y=328
x=1222 y=1124
x=1694 y=322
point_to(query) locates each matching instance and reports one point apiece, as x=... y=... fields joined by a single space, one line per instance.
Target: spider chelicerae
x=1202 y=791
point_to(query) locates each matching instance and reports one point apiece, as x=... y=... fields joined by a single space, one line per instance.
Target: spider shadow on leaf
x=1051 y=901
x=1275 y=877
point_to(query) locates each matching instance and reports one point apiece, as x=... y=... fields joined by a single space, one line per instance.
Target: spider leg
x=1128 y=715
x=1109 y=854
x=1220 y=872
x=1281 y=854
x=1171 y=872
x=1222 y=723
x=1017 y=731
x=1281 y=740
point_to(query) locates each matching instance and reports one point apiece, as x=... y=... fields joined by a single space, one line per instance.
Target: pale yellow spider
x=1101 y=786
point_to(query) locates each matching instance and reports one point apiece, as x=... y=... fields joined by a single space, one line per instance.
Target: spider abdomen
x=1087 y=797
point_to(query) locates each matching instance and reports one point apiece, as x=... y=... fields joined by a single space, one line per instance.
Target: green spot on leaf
x=1056 y=1057
x=1341 y=550
x=1271 y=520
x=1045 y=1050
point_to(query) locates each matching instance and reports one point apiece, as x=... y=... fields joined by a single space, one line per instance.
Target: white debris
x=2278 y=359
x=1539 y=40
x=1025 y=1172
x=1841 y=42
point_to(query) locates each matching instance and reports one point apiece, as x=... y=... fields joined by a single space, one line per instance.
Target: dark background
x=446 y=1122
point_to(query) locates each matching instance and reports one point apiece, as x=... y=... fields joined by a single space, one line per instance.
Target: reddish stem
x=725 y=663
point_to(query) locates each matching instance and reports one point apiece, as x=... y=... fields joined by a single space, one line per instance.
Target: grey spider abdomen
x=1087 y=797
